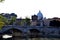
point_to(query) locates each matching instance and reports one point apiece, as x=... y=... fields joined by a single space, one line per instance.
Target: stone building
x=34 y=20
x=37 y=20
x=48 y=21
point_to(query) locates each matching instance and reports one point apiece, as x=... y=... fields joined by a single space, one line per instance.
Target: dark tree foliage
x=55 y=23
x=27 y=21
x=2 y=0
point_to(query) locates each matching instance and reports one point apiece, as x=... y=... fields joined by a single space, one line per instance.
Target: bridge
x=43 y=31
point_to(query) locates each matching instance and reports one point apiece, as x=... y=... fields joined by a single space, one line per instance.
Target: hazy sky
x=23 y=8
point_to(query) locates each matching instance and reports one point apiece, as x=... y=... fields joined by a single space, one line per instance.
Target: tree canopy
x=13 y=19
x=1 y=0
x=55 y=23
x=2 y=21
x=27 y=20
x=1 y=25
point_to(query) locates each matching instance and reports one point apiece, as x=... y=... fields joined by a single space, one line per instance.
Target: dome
x=40 y=15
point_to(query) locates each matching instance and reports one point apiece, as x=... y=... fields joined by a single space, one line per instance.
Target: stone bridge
x=44 y=31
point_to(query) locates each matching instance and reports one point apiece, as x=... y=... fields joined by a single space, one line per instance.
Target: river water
x=32 y=39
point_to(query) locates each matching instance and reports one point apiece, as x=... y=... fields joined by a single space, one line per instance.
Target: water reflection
x=7 y=36
x=32 y=39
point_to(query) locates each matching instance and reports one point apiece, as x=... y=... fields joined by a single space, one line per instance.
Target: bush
x=1 y=25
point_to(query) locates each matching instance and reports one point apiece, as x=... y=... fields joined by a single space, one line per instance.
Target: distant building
x=40 y=19
x=48 y=21
x=40 y=15
x=34 y=17
x=33 y=23
x=37 y=20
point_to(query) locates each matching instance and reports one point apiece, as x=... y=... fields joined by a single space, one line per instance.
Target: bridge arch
x=17 y=33
x=34 y=31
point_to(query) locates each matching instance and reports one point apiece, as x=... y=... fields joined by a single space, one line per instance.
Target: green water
x=45 y=39
x=34 y=39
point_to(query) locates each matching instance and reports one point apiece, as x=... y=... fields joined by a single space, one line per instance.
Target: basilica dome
x=40 y=15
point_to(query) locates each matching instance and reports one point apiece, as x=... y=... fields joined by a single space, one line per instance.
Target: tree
x=22 y=22
x=1 y=0
x=1 y=25
x=13 y=19
x=3 y=19
x=27 y=21
x=55 y=23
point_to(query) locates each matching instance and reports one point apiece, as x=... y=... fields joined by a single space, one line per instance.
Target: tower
x=34 y=17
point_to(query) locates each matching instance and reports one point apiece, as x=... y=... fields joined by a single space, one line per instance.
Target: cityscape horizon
x=29 y=19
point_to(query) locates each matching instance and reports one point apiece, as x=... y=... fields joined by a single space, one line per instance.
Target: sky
x=27 y=8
